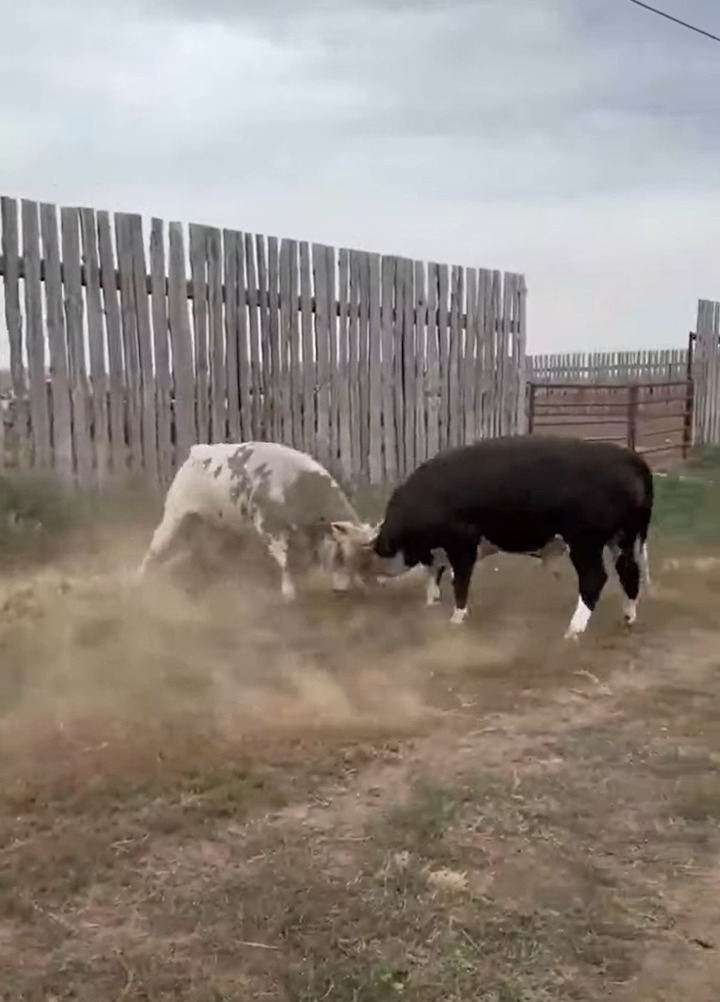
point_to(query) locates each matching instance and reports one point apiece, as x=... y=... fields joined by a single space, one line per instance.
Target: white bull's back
x=235 y=483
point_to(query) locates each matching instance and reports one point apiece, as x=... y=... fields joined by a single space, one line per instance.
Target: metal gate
x=655 y=419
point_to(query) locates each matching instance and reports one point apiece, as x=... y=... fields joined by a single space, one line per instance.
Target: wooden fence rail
x=656 y=365
x=120 y=360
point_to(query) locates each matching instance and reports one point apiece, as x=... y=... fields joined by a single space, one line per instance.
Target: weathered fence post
x=632 y=416
x=706 y=373
x=531 y=388
x=688 y=428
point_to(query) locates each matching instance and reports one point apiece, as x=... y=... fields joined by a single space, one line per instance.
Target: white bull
x=285 y=495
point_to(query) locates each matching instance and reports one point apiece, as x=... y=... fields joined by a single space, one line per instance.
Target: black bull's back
x=518 y=493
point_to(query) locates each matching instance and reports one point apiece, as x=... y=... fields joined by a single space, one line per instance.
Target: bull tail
x=640 y=550
x=640 y=546
x=644 y=514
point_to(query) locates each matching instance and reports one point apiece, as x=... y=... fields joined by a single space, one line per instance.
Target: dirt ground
x=207 y=795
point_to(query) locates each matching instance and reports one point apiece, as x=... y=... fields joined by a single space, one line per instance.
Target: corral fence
x=642 y=399
x=664 y=401
x=649 y=366
x=120 y=360
x=655 y=419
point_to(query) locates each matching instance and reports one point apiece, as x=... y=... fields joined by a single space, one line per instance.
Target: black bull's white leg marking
x=628 y=561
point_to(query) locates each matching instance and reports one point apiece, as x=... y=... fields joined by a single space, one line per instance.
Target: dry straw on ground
x=208 y=795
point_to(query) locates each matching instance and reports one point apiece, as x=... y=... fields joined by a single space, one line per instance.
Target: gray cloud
x=552 y=73
x=435 y=129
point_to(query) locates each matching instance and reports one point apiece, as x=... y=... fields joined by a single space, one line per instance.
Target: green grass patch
x=39 y=513
x=687 y=503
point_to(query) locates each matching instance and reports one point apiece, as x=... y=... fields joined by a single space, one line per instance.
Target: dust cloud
x=85 y=647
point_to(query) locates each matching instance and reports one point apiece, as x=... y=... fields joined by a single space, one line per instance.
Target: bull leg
x=434 y=577
x=162 y=540
x=628 y=572
x=341 y=580
x=588 y=563
x=462 y=561
x=278 y=550
x=549 y=563
x=435 y=567
x=551 y=552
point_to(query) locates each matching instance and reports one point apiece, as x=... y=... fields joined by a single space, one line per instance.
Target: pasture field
x=205 y=795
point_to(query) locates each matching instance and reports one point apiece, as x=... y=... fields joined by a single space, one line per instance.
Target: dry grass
x=206 y=795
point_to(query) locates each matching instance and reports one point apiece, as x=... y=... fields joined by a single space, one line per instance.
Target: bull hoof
x=630 y=613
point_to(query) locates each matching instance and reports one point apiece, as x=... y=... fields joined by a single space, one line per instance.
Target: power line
x=676 y=20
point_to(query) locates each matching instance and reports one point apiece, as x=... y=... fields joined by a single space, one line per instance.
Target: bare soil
x=207 y=795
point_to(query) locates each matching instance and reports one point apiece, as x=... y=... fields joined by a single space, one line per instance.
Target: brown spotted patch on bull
x=283 y=494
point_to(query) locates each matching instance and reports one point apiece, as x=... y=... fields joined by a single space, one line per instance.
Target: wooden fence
x=650 y=366
x=705 y=345
x=371 y=363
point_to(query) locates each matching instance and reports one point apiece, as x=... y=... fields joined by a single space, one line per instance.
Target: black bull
x=518 y=494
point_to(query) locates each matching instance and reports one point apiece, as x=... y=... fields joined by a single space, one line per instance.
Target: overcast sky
x=577 y=141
